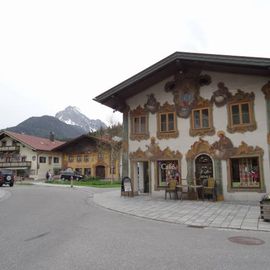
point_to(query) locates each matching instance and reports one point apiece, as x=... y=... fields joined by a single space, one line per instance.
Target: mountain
x=72 y=116
x=42 y=126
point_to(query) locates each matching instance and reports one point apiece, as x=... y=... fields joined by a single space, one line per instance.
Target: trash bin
x=265 y=207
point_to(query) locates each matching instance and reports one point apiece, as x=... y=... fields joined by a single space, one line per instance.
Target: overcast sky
x=59 y=53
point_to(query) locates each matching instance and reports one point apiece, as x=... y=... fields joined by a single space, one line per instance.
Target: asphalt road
x=59 y=228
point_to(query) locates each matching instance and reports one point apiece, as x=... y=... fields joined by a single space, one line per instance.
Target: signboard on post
x=126 y=187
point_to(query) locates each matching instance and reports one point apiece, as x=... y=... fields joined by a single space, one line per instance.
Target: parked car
x=68 y=175
x=6 y=177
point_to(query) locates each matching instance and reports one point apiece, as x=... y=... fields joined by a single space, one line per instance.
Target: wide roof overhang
x=116 y=96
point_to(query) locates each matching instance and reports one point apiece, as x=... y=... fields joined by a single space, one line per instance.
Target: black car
x=6 y=177
x=68 y=175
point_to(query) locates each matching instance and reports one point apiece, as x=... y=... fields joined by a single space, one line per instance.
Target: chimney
x=51 y=136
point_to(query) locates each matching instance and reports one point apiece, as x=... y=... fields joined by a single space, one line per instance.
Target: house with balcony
x=199 y=116
x=29 y=156
x=92 y=156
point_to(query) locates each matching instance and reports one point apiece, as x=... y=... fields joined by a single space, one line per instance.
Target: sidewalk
x=192 y=213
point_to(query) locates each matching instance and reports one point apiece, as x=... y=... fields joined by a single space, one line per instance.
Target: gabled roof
x=33 y=142
x=116 y=96
x=84 y=136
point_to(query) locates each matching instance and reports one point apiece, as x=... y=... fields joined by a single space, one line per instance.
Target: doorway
x=143 y=177
x=100 y=171
x=203 y=168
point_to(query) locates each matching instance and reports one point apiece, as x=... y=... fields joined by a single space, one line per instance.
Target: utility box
x=265 y=207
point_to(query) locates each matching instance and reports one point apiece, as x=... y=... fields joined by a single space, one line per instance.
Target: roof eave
x=176 y=58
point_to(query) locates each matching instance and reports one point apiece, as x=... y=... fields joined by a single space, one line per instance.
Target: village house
x=197 y=116
x=29 y=156
x=92 y=156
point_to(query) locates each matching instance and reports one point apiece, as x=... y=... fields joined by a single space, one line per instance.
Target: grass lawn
x=88 y=183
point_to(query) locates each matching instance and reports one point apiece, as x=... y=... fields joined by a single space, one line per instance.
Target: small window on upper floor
x=42 y=159
x=201 y=120
x=241 y=113
x=139 y=124
x=166 y=122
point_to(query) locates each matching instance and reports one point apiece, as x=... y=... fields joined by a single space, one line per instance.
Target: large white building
x=29 y=156
x=202 y=115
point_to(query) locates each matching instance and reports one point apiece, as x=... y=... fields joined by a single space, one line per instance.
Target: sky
x=59 y=53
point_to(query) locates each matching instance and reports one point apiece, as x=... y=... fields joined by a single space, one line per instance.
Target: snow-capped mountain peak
x=72 y=116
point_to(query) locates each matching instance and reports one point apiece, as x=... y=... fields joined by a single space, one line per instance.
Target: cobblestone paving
x=194 y=213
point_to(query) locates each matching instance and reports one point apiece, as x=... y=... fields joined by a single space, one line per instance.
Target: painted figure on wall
x=151 y=105
x=223 y=148
x=186 y=88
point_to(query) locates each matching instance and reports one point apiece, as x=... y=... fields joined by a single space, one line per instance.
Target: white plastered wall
x=184 y=141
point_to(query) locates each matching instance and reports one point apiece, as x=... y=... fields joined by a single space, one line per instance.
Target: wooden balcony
x=9 y=148
x=15 y=164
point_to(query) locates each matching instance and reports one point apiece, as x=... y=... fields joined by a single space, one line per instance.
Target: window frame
x=139 y=113
x=56 y=160
x=167 y=109
x=202 y=104
x=250 y=188
x=170 y=170
x=42 y=159
x=239 y=99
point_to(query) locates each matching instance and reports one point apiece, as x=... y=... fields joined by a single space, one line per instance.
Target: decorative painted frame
x=221 y=96
x=240 y=98
x=202 y=104
x=242 y=151
x=154 y=153
x=167 y=109
x=138 y=113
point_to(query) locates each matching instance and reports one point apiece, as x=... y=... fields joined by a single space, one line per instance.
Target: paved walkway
x=193 y=213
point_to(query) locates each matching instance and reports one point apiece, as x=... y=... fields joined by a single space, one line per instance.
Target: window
x=70 y=158
x=100 y=155
x=139 y=124
x=79 y=159
x=87 y=171
x=166 y=122
x=241 y=113
x=245 y=172
x=167 y=169
x=42 y=159
x=112 y=170
x=55 y=159
x=201 y=120
x=86 y=158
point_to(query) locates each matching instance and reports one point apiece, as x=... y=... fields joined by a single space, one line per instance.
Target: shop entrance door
x=143 y=177
x=203 y=168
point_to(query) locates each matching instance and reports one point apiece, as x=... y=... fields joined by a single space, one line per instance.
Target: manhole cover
x=245 y=240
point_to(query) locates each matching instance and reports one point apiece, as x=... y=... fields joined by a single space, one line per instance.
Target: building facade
x=29 y=156
x=197 y=116
x=92 y=156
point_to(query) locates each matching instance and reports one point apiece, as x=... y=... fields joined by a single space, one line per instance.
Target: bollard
x=71 y=181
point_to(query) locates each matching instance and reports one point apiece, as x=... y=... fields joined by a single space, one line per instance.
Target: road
x=57 y=228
